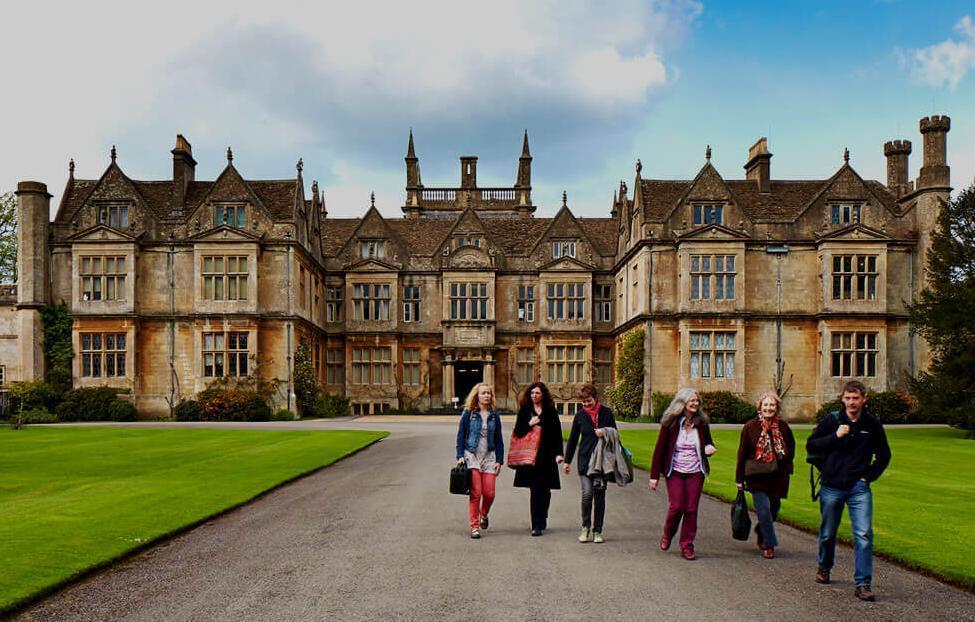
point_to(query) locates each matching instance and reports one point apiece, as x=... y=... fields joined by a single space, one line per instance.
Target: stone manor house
x=174 y=283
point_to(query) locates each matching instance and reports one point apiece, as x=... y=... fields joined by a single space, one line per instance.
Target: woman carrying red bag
x=537 y=411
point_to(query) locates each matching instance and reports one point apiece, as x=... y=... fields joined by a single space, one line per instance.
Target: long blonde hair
x=471 y=403
x=676 y=408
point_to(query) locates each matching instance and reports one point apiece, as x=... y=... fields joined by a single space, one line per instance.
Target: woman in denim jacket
x=480 y=446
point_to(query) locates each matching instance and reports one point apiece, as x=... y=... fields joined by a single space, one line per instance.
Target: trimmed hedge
x=220 y=402
x=36 y=415
x=187 y=410
x=328 y=406
x=659 y=403
x=726 y=407
x=122 y=410
x=886 y=406
x=283 y=414
x=94 y=404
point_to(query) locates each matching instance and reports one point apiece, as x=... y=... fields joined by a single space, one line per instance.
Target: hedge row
x=39 y=402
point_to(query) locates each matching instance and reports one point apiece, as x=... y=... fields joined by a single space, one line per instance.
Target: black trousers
x=541 y=498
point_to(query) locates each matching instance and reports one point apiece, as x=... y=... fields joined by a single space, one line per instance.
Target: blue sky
x=597 y=85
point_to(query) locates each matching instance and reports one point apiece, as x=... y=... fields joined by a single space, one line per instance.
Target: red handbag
x=524 y=451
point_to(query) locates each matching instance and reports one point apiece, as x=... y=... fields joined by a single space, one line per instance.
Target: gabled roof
x=517 y=236
x=336 y=232
x=422 y=236
x=603 y=232
x=856 y=229
x=660 y=197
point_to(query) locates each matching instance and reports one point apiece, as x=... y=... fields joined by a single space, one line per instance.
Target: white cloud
x=948 y=62
x=336 y=82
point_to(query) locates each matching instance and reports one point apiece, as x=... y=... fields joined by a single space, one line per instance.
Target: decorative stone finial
x=372 y=199
x=314 y=187
x=639 y=166
x=230 y=155
x=300 y=165
x=846 y=155
x=71 y=168
x=564 y=199
x=707 y=153
x=113 y=153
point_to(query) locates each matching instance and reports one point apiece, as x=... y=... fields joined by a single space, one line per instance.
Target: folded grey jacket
x=609 y=460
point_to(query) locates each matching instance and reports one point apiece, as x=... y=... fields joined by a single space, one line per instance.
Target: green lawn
x=75 y=498
x=924 y=504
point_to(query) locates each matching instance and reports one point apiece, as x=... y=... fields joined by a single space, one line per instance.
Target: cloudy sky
x=597 y=85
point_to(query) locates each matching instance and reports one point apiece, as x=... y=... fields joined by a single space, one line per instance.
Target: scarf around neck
x=770 y=444
x=593 y=414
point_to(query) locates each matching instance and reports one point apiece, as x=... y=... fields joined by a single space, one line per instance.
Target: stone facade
x=735 y=281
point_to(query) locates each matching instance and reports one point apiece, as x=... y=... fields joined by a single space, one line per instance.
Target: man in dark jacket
x=854 y=452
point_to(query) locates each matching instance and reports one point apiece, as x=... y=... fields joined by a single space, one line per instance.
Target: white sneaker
x=584 y=535
x=597 y=537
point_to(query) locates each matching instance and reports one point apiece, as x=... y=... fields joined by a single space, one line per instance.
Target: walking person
x=853 y=452
x=587 y=427
x=537 y=409
x=766 y=450
x=480 y=446
x=681 y=455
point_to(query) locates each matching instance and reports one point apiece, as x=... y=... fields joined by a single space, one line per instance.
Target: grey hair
x=676 y=408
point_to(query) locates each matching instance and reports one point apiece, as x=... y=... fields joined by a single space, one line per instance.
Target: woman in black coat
x=537 y=408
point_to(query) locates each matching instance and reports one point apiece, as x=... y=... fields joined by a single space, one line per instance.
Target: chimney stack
x=758 y=167
x=468 y=172
x=184 y=169
x=934 y=170
x=897 y=152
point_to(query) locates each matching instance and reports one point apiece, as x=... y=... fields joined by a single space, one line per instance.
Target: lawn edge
x=19 y=606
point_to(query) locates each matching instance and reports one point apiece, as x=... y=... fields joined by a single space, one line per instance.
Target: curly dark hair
x=526 y=397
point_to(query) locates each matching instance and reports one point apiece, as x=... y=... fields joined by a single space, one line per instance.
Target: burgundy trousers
x=684 y=495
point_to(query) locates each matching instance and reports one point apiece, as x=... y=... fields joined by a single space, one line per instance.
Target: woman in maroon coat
x=766 y=440
x=537 y=408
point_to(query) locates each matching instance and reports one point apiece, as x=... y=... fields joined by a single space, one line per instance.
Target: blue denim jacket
x=469 y=431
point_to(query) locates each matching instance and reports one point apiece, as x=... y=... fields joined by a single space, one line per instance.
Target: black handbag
x=460 y=480
x=759 y=468
x=741 y=522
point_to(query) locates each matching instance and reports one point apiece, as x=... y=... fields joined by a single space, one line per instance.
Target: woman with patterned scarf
x=765 y=454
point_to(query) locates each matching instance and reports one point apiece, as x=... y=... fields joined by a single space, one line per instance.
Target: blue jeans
x=767 y=510
x=860 y=501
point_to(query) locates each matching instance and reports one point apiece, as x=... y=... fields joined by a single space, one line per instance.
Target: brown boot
x=863 y=592
x=822 y=576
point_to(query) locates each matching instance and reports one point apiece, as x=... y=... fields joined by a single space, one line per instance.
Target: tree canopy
x=8 y=237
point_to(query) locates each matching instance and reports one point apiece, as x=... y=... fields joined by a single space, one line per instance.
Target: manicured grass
x=76 y=498
x=924 y=504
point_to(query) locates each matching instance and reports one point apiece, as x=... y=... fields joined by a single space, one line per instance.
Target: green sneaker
x=584 y=535
x=597 y=537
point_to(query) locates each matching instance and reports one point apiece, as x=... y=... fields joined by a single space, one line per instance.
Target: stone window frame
x=468 y=300
x=369 y=408
x=224 y=277
x=603 y=302
x=99 y=355
x=845 y=212
x=706 y=280
x=560 y=368
x=707 y=213
x=114 y=215
x=709 y=357
x=567 y=408
x=566 y=301
x=857 y=281
x=228 y=349
x=525 y=365
x=371 y=248
x=411 y=303
x=602 y=365
x=236 y=211
x=411 y=367
x=468 y=239
x=3 y=375
x=526 y=302
x=335 y=366
x=853 y=357
x=564 y=248
x=334 y=302
x=99 y=280
x=378 y=310
x=372 y=365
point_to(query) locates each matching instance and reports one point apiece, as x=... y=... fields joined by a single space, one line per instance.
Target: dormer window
x=467 y=240
x=372 y=249
x=563 y=248
x=230 y=215
x=844 y=213
x=116 y=216
x=704 y=214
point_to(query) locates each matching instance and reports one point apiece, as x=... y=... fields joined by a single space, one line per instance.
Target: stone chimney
x=758 y=167
x=184 y=169
x=468 y=172
x=934 y=170
x=897 y=152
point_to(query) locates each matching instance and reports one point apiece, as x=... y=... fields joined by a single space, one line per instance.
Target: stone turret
x=935 y=172
x=897 y=153
x=33 y=218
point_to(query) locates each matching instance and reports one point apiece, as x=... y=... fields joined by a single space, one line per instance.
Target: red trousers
x=684 y=494
x=482 y=495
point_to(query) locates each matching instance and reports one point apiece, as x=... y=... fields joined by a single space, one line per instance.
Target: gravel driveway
x=377 y=537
